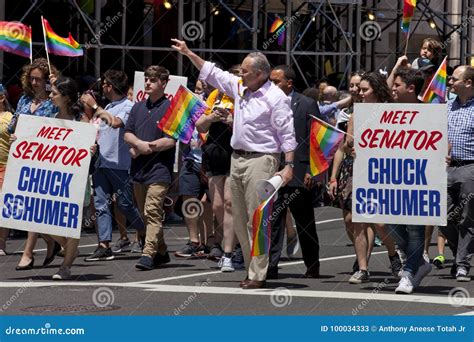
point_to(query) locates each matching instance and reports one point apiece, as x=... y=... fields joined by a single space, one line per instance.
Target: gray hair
x=260 y=62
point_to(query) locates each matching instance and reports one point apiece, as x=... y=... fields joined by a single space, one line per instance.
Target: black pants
x=300 y=203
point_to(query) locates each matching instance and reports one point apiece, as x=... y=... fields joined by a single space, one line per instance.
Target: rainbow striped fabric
x=262 y=227
x=408 y=12
x=57 y=45
x=277 y=26
x=324 y=141
x=436 y=90
x=180 y=118
x=15 y=37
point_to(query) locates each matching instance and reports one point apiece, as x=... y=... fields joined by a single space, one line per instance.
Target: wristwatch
x=290 y=164
x=95 y=106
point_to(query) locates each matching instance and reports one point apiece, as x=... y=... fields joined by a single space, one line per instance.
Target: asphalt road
x=197 y=287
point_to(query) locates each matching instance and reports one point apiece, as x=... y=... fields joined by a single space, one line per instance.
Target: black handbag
x=95 y=161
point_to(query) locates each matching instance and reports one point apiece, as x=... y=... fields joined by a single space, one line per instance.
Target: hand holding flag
x=324 y=141
x=436 y=90
x=180 y=118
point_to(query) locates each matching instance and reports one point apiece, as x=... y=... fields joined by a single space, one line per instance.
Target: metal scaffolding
x=322 y=36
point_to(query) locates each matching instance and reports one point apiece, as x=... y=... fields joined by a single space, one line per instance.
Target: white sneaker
x=404 y=286
x=226 y=265
x=422 y=272
x=64 y=273
x=360 y=277
x=461 y=275
x=426 y=257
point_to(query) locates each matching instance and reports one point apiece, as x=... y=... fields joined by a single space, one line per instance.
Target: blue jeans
x=410 y=239
x=116 y=183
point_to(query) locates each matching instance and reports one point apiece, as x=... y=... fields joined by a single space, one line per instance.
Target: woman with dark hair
x=340 y=181
x=35 y=101
x=373 y=89
x=5 y=118
x=64 y=95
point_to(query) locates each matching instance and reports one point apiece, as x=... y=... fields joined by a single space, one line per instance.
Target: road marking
x=92 y=245
x=44 y=249
x=327 y=221
x=308 y=294
x=174 y=278
x=260 y=292
x=171 y=238
x=291 y=263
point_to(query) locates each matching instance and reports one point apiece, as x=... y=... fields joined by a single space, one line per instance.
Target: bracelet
x=332 y=181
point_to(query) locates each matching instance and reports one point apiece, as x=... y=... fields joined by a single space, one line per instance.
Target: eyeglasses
x=36 y=79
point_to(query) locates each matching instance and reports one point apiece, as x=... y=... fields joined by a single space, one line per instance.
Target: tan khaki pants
x=150 y=199
x=245 y=171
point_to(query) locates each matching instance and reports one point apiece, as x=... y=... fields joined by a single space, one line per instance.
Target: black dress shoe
x=56 y=250
x=26 y=267
x=254 y=284
x=312 y=273
x=272 y=273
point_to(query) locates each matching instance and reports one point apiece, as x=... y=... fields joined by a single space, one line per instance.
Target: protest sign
x=46 y=176
x=171 y=88
x=399 y=169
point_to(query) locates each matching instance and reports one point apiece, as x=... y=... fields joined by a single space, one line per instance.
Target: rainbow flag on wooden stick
x=324 y=141
x=15 y=37
x=408 y=12
x=436 y=90
x=57 y=45
x=180 y=118
x=262 y=227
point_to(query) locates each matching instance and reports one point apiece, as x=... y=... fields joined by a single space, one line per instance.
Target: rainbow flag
x=324 y=140
x=277 y=27
x=15 y=37
x=408 y=12
x=180 y=118
x=262 y=227
x=57 y=45
x=436 y=90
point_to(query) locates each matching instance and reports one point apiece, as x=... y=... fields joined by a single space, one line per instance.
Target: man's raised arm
x=182 y=48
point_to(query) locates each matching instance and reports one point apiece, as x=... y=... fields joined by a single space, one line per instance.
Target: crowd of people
x=258 y=126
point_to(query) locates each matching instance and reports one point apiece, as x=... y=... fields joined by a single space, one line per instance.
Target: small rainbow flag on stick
x=262 y=227
x=180 y=118
x=408 y=12
x=57 y=45
x=324 y=140
x=279 y=28
x=15 y=37
x=436 y=90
